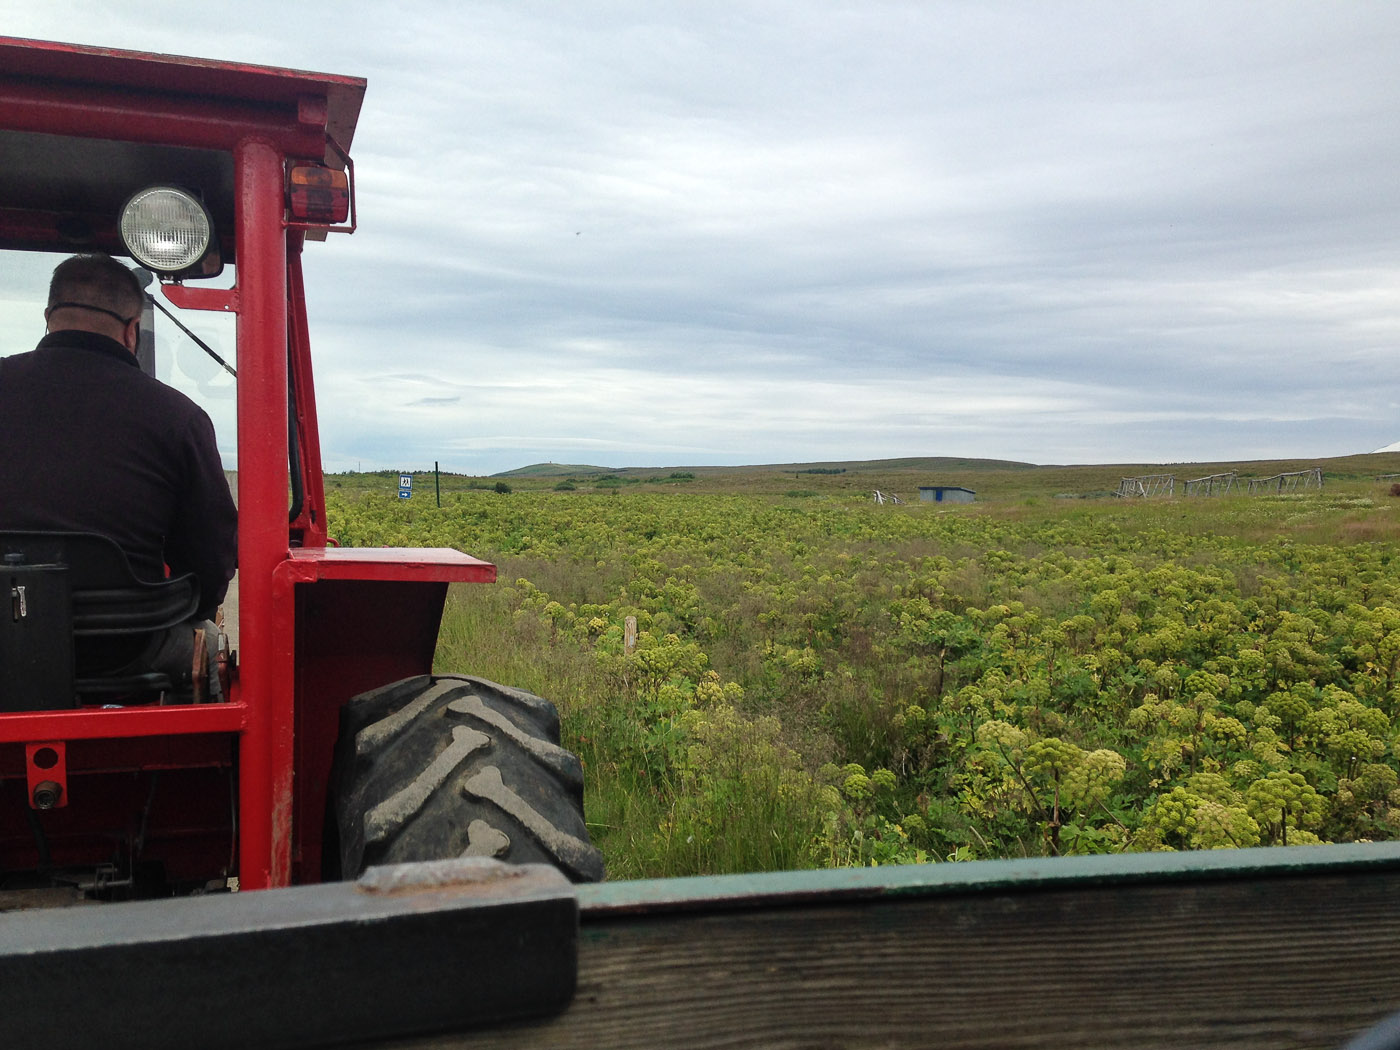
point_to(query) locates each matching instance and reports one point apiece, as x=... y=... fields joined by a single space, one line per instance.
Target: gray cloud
x=819 y=230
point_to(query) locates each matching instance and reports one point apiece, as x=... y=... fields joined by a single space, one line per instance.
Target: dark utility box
x=36 y=638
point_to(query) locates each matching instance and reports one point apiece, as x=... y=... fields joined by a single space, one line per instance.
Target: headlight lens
x=165 y=229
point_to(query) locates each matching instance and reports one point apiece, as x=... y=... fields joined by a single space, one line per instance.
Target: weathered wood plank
x=1258 y=948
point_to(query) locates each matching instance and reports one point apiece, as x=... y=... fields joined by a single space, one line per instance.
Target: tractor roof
x=195 y=78
x=81 y=128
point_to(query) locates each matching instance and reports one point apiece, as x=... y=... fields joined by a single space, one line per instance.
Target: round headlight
x=165 y=229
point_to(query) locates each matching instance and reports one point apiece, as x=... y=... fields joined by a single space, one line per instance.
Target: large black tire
x=448 y=765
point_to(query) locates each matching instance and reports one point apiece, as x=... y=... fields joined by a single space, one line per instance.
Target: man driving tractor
x=90 y=443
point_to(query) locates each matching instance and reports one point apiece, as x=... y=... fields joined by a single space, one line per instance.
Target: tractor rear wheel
x=443 y=766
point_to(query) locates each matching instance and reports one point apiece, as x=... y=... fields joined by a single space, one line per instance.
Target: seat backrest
x=108 y=599
x=109 y=619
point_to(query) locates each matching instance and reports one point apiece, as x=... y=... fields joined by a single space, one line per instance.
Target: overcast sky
x=633 y=233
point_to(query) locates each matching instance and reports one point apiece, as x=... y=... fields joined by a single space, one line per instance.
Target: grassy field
x=822 y=681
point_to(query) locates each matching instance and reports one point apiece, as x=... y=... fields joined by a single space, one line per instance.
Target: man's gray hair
x=96 y=279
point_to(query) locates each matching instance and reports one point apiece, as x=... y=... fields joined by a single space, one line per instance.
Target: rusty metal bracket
x=46 y=768
x=445 y=945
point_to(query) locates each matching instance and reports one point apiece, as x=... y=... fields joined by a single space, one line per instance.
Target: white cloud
x=772 y=232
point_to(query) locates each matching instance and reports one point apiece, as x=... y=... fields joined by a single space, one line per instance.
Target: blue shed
x=945 y=494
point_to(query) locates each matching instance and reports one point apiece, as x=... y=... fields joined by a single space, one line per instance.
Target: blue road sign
x=405 y=486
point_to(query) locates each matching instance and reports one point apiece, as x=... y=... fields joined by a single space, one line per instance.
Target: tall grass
x=672 y=787
x=823 y=681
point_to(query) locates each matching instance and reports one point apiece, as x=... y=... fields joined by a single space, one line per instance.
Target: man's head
x=95 y=293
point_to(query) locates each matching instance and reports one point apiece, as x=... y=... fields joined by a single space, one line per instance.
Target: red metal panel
x=29 y=230
x=364 y=617
x=265 y=629
x=352 y=636
x=442 y=564
x=90 y=723
x=110 y=114
x=188 y=831
x=189 y=297
x=171 y=795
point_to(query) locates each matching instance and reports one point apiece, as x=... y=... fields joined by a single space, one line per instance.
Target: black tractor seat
x=75 y=621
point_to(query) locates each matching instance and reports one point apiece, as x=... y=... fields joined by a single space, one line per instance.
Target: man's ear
x=131 y=334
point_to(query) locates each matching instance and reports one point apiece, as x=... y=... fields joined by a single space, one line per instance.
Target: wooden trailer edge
x=1281 y=948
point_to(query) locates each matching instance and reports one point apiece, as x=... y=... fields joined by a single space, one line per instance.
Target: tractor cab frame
x=233 y=789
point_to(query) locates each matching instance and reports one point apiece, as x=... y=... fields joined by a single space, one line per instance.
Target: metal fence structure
x=1293 y=481
x=1212 y=484
x=1147 y=485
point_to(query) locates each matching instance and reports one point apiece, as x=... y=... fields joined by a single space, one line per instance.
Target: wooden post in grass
x=629 y=646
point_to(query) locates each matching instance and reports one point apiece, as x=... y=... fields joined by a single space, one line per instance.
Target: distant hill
x=549 y=470
x=993 y=480
x=906 y=463
x=936 y=463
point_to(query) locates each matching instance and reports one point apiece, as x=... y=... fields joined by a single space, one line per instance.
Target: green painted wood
x=1284 y=949
x=913 y=880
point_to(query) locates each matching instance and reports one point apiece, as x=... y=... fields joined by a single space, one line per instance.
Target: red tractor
x=333 y=746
